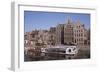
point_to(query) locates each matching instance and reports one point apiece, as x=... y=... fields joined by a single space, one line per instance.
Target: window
x=81 y=31
x=84 y=35
x=69 y=50
x=75 y=35
x=81 y=39
x=75 y=40
x=33 y=36
x=81 y=34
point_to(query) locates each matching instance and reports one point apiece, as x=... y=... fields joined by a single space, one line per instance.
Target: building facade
x=72 y=33
x=52 y=36
x=60 y=34
x=68 y=32
x=80 y=34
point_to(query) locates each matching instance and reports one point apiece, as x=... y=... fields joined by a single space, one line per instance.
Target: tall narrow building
x=80 y=34
x=68 y=32
x=60 y=34
x=52 y=36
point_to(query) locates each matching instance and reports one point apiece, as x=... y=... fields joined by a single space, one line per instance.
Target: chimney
x=83 y=25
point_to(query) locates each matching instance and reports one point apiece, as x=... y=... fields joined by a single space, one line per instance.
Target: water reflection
x=39 y=56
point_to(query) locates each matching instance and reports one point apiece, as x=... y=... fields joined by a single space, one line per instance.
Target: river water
x=56 y=56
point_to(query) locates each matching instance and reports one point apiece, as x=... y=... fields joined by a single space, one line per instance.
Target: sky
x=44 y=20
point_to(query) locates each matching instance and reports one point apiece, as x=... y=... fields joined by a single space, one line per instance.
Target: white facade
x=68 y=50
x=71 y=50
